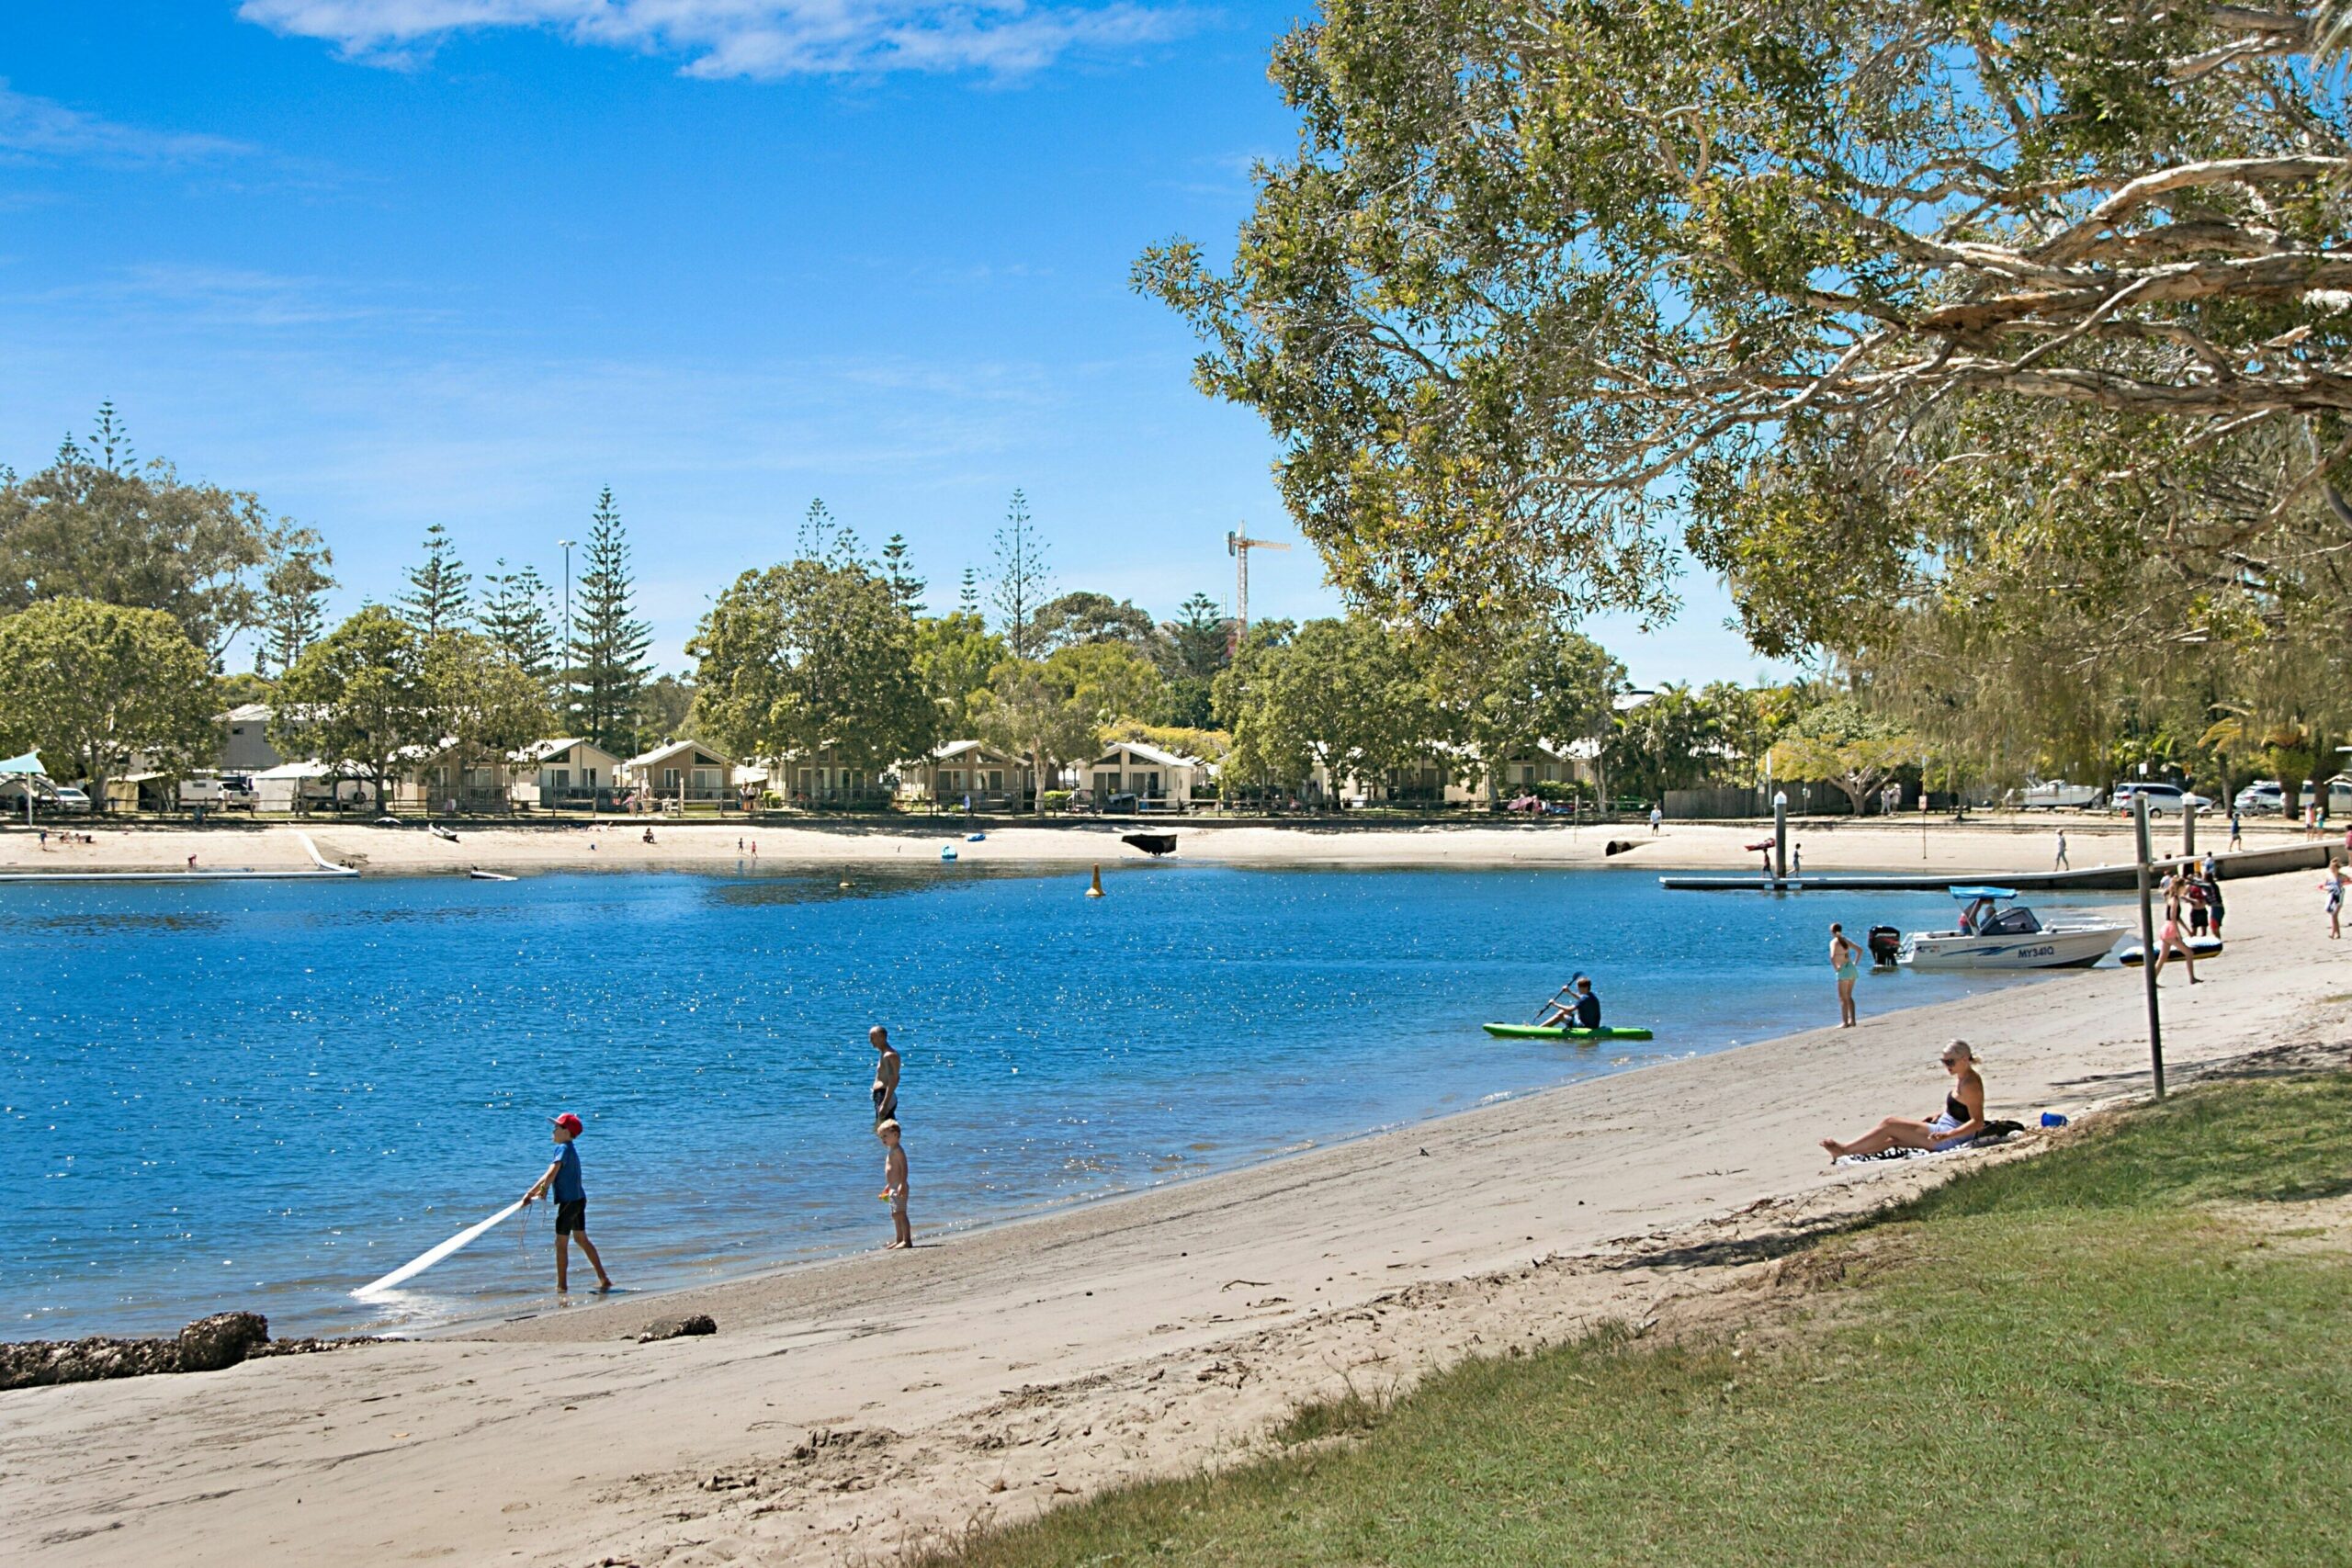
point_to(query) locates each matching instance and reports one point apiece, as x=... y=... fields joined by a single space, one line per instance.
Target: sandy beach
x=844 y=1411
x=2008 y=844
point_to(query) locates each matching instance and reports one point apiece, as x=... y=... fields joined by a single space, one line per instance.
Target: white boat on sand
x=1991 y=937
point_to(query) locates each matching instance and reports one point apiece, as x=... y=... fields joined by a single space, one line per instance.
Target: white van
x=221 y=792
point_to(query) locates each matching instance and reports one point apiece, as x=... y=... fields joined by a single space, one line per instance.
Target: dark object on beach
x=1151 y=843
x=1885 y=942
x=205 y=1346
x=1615 y=847
x=222 y=1340
x=678 y=1328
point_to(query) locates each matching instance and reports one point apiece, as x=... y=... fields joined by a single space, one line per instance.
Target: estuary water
x=264 y=1094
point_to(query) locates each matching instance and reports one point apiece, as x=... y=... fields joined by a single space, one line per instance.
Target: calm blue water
x=264 y=1095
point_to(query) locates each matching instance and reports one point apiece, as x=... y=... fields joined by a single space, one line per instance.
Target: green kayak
x=1562 y=1031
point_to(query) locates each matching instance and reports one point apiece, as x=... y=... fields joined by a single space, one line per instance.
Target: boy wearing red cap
x=571 y=1205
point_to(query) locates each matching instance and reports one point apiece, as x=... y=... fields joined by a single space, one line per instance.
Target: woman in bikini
x=2168 y=941
x=1962 y=1118
x=1845 y=961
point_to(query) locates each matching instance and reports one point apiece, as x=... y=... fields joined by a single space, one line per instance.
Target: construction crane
x=1238 y=545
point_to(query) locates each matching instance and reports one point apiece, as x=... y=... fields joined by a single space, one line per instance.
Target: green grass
x=2094 y=1357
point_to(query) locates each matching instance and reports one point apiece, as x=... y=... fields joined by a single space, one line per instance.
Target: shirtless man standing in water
x=886 y=1076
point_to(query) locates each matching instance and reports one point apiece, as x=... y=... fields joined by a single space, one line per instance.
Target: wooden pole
x=2148 y=942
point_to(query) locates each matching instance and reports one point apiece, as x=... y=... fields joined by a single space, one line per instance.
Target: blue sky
x=387 y=262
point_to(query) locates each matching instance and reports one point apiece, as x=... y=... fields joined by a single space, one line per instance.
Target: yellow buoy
x=1096 y=891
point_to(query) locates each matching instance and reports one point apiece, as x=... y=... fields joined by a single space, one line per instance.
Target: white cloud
x=41 y=128
x=761 y=40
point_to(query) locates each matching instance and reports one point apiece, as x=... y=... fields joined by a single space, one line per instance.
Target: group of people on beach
x=562 y=1181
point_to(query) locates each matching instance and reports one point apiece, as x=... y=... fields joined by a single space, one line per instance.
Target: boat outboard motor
x=1884 y=941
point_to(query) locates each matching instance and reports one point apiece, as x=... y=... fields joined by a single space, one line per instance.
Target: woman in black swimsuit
x=1962 y=1118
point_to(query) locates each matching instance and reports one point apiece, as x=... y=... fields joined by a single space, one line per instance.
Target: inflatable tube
x=2199 y=947
x=411 y=1269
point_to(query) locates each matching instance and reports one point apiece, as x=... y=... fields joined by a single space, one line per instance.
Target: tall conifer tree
x=438 y=598
x=897 y=568
x=516 y=618
x=608 y=642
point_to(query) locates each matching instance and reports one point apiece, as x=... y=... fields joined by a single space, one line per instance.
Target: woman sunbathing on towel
x=1962 y=1118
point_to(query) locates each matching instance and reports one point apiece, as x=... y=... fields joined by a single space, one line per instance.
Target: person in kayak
x=1580 y=1011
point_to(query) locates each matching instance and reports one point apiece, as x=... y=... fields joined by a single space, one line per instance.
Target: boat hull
x=2078 y=948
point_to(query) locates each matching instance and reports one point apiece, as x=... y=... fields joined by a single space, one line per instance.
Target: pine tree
x=517 y=617
x=437 y=600
x=967 y=598
x=113 y=438
x=906 y=588
x=1021 y=582
x=608 y=643
x=825 y=538
x=293 y=605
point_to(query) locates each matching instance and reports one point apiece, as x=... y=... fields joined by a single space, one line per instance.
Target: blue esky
x=387 y=262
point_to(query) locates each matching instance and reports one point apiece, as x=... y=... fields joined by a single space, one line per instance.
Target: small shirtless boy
x=894 y=1186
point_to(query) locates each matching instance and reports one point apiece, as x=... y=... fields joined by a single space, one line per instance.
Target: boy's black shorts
x=571 y=1216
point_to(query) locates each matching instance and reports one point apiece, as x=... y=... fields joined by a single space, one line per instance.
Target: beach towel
x=1992 y=1132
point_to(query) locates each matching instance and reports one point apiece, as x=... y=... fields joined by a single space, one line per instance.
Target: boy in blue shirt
x=571 y=1205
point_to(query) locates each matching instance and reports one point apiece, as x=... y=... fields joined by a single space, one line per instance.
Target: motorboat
x=1996 y=933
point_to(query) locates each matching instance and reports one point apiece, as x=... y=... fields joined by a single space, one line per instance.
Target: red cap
x=569 y=1122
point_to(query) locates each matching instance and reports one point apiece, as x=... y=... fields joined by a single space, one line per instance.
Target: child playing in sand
x=894 y=1186
x=571 y=1205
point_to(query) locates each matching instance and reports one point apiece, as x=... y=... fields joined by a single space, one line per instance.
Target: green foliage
x=92 y=685
x=1022 y=581
x=663 y=709
x=292 y=610
x=439 y=597
x=1073 y=620
x=1199 y=641
x=954 y=654
x=608 y=642
x=1028 y=710
x=518 y=618
x=906 y=588
x=1674 y=741
x=2110 y=1371
x=91 y=525
x=1351 y=697
x=1540 y=274
x=1055 y=800
x=1106 y=680
x=485 y=706
x=810 y=655
x=1543 y=685
x=357 y=698
x=1841 y=743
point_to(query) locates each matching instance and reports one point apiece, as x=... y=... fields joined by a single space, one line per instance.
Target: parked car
x=68 y=801
x=2261 y=795
x=2052 y=794
x=2161 y=798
